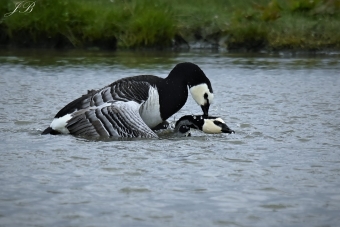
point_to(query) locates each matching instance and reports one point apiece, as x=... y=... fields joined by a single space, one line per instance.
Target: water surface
x=281 y=168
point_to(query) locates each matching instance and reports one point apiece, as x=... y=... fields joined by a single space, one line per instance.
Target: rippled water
x=281 y=168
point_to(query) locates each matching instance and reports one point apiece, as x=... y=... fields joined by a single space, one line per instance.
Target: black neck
x=173 y=93
x=186 y=122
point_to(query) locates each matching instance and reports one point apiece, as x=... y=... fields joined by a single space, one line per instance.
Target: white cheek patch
x=210 y=127
x=59 y=124
x=198 y=92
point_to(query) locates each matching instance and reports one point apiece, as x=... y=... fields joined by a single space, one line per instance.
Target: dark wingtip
x=51 y=131
x=226 y=129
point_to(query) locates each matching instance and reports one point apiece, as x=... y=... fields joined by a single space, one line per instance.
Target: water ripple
x=279 y=169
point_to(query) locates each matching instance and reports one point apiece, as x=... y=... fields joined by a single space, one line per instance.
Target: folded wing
x=122 y=90
x=110 y=119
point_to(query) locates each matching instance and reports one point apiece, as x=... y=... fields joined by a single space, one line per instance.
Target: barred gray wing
x=123 y=90
x=112 y=119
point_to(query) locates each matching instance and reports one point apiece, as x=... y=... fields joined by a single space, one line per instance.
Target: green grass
x=241 y=24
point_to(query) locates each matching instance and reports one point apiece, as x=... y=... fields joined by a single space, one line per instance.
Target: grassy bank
x=242 y=24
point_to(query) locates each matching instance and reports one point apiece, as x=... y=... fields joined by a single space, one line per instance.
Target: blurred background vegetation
x=249 y=25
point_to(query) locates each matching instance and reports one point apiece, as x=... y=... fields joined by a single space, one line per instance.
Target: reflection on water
x=281 y=168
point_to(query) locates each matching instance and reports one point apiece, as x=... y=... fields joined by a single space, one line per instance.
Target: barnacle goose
x=133 y=106
x=207 y=124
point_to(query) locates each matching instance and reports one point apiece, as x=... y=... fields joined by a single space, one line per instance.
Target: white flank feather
x=150 y=110
x=59 y=124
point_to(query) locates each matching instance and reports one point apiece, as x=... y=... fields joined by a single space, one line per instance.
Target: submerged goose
x=207 y=124
x=133 y=106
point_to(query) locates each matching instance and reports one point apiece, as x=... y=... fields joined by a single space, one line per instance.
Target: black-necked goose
x=207 y=124
x=133 y=106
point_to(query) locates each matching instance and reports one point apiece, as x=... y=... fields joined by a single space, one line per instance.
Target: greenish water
x=281 y=168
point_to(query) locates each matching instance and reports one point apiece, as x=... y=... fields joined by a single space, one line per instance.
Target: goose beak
x=226 y=129
x=205 y=109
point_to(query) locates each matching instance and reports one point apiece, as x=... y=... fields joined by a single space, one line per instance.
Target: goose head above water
x=199 y=85
x=207 y=124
